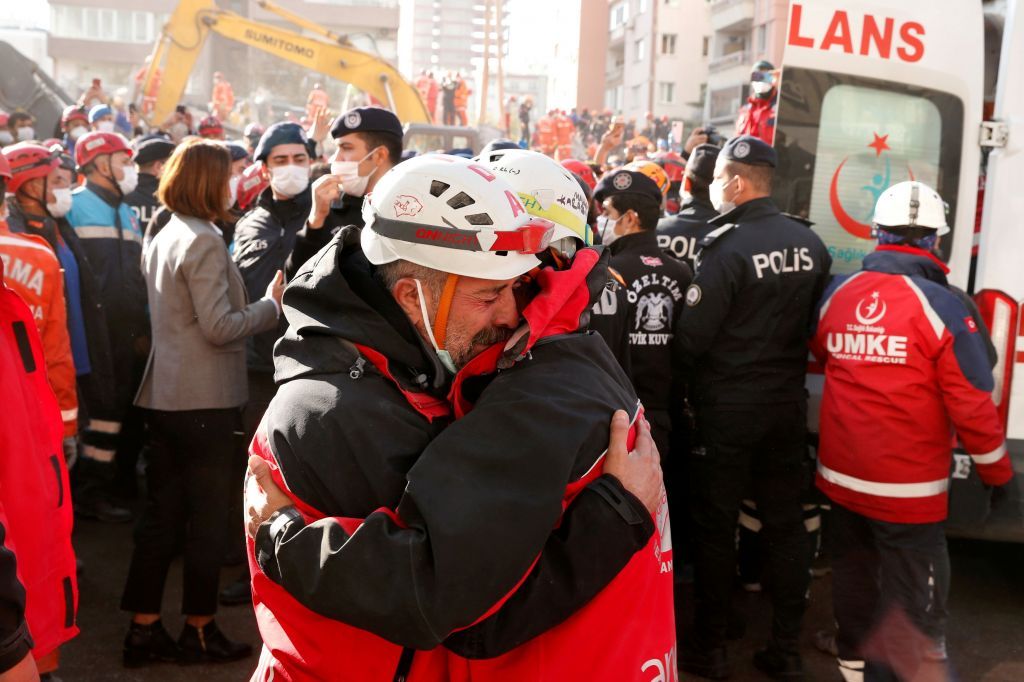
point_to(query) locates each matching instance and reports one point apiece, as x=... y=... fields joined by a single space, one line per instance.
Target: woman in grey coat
x=193 y=391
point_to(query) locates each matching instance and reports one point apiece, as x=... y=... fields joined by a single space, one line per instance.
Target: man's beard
x=463 y=353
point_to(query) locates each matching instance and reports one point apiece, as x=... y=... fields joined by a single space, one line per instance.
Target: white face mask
x=77 y=132
x=352 y=183
x=27 y=133
x=5 y=137
x=130 y=181
x=717 y=194
x=105 y=126
x=179 y=131
x=61 y=203
x=233 y=189
x=289 y=180
x=606 y=228
x=444 y=356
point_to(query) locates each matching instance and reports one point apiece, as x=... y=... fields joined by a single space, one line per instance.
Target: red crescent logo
x=846 y=221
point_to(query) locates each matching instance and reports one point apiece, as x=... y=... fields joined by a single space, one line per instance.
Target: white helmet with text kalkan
x=452 y=215
x=547 y=190
x=911 y=204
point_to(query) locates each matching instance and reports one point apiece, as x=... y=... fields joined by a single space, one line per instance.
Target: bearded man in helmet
x=429 y=490
x=884 y=456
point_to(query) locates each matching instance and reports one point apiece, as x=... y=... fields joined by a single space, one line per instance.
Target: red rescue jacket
x=34 y=490
x=905 y=368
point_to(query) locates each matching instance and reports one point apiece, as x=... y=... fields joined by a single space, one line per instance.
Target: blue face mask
x=442 y=355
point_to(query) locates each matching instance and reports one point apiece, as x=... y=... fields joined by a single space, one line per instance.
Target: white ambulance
x=875 y=93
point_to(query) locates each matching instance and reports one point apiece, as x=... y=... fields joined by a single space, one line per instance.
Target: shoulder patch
x=693 y=294
x=651 y=261
x=714 y=235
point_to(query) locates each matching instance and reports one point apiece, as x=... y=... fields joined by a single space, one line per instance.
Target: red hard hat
x=27 y=161
x=581 y=169
x=97 y=143
x=74 y=113
x=251 y=185
x=210 y=126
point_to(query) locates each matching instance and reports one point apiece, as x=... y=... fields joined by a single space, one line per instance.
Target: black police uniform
x=742 y=338
x=681 y=233
x=143 y=198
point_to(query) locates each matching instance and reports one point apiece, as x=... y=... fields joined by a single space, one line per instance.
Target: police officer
x=369 y=144
x=151 y=153
x=742 y=337
x=655 y=286
x=679 y=234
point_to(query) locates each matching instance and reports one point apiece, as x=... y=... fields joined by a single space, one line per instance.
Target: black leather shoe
x=779 y=665
x=209 y=645
x=145 y=644
x=712 y=663
x=237 y=593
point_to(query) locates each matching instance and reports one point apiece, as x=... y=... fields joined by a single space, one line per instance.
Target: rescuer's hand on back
x=263 y=497
x=639 y=469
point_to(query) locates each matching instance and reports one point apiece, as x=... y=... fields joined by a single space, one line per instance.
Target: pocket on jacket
x=59 y=479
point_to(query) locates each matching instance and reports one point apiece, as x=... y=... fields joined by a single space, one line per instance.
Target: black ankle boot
x=146 y=644
x=209 y=645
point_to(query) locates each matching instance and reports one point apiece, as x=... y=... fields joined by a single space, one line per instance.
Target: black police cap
x=750 y=150
x=626 y=182
x=701 y=163
x=152 y=148
x=238 y=151
x=285 y=132
x=366 y=120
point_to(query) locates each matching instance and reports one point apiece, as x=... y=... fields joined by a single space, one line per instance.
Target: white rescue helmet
x=911 y=204
x=453 y=215
x=547 y=191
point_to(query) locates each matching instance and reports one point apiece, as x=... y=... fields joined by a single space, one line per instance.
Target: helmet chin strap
x=438 y=331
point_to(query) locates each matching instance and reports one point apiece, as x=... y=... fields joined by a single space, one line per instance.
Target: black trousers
x=760 y=451
x=193 y=468
x=889 y=584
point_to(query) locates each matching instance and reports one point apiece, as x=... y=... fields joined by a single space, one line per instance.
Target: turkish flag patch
x=651 y=261
x=972 y=326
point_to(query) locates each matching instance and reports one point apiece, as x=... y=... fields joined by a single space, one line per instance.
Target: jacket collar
x=645 y=240
x=906 y=260
x=285 y=210
x=695 y=203
x=752 y=210
x=112 y=199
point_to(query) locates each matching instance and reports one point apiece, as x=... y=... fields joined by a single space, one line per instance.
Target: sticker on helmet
x=407 y=205
x=353 y=119
x=693 y=295
x=741 y=150
x=622 y=181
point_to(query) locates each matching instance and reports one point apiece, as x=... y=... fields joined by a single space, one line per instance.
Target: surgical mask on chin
x=77 y=132
x=105 y=126
x=606 y=228
x=289 y=180
x=352 y=183
x=130 y=181
x=717 y=194
x=27 y=133
x=444 y=356
x=61 y=203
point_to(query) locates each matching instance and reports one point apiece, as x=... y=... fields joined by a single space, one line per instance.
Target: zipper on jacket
x=356 y=370
x=404 y=665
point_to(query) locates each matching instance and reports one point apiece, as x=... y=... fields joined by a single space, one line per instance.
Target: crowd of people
x=474 y=392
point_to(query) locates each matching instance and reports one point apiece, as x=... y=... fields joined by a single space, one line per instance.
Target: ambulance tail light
x=1001 y=314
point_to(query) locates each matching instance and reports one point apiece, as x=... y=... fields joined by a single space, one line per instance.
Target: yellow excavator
x=182 y=39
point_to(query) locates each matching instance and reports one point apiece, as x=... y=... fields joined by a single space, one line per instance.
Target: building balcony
x=730 y=15
x=740 y=58
x=613 y=75
x=617 y=36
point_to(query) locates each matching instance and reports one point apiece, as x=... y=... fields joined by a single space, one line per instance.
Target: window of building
x=641 y=6
x=668 y=43
x=762 y=38
x=618 y=14
x=634 y=96
x=672 y=3
x=666 y=92
x=641 y=49
x=706 y=46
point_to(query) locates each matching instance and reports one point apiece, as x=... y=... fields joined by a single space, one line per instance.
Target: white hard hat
x=548 y=191
x=453 y=215
x=911 y=204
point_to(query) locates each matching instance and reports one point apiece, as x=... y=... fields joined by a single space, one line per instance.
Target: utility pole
x=487 y=63
x=501 y=65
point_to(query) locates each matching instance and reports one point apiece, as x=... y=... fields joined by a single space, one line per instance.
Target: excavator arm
x=183 y=37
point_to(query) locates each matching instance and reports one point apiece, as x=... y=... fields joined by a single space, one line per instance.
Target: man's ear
x=408 y=298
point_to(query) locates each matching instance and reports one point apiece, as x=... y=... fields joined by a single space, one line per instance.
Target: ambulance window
x=842 y=140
